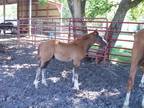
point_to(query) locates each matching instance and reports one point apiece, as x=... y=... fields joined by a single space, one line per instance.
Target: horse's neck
x=85 y=44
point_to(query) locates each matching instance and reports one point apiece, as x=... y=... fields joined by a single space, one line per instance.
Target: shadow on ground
x=102 y=85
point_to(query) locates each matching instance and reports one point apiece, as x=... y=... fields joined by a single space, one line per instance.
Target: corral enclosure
x=46 y=23
x=63 y=29
x=102 y=85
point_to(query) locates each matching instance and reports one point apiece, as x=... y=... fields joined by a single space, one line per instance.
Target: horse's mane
x=86 y=36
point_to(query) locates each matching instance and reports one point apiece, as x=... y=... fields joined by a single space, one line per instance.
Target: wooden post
x=4 y=10
x=30 y=16
x=4 y=13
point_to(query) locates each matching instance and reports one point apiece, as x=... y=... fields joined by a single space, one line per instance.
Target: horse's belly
x=62 y=57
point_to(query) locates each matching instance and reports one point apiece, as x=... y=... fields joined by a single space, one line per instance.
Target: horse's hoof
x=36 y=84
x=141 y=85
x=125 y=106
x=44 y=82
x=76 y=88
x=142 y=103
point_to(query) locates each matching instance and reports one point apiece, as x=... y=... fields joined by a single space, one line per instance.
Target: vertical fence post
x=107 y=49
x=30 y=16
x=69 y=34
x=18 y=32
x=109 y=39
x=18 y=29
x=55 y=24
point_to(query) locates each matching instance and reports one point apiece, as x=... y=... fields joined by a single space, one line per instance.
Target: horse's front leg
x=142 y=84
x=126 y=102
x=76 y=63
x=75 y=79
x=44 y=65
x=43 y=77
x=130 y=83
x=36 y=81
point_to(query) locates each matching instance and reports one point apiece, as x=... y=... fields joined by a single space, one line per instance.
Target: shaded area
x=102 y=85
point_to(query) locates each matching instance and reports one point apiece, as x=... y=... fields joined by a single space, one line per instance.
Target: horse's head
x=99 y=39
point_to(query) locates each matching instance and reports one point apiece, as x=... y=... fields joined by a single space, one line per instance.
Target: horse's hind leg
x=41 y=69
x=36 y=81
x=43 y=66
x=43 y=73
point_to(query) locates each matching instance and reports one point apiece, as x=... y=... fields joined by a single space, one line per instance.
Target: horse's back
x=68 y=51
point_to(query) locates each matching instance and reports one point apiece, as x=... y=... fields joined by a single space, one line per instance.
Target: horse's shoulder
x=139 y=35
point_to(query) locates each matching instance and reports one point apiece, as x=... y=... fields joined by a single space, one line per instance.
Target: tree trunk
x=70 y=4
x=77 y=8
x=115 y=27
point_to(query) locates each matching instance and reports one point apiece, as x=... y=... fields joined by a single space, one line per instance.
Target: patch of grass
x=94 y=47
x=117 y=52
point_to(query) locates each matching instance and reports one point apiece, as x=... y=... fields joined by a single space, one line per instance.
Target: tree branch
x=135 y=3
x=83 y=7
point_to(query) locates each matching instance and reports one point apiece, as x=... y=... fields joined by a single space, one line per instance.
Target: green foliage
x=93 y=8
x=137 y=12
x=65 y=10
x=94 y=47
x=43 y=2
x=62 y=1
x=97 y=7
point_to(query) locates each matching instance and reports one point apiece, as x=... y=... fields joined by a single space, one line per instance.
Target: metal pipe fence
x=67 y=29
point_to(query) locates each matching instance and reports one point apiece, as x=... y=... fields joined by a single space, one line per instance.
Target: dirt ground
x=102 y=85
